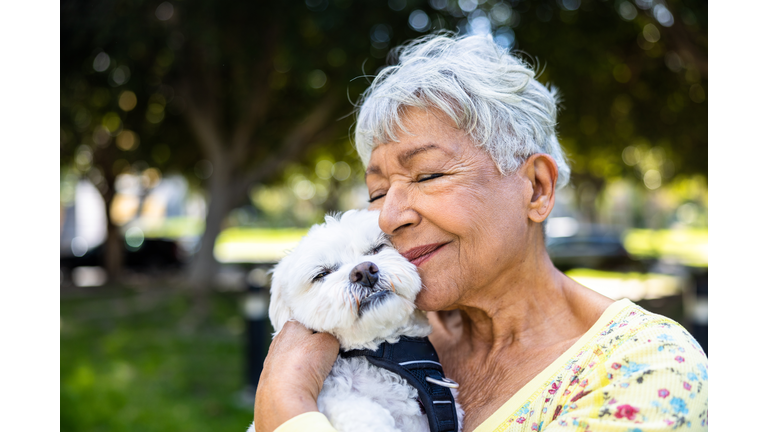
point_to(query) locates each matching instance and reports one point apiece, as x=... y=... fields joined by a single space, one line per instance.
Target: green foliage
x=277 y=59
x=622 y=80
x=127 y=365
x=245 y=97
x=620 y=89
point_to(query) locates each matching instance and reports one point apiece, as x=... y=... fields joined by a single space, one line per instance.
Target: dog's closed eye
x=377 y=249
x=320 y=275
x=322 y=272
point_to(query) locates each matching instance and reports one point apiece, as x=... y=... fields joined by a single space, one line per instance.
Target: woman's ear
x=541 y=171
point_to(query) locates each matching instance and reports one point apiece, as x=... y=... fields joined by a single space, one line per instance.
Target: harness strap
x=415 y=359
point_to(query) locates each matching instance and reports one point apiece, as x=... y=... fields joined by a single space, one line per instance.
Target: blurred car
x=600 y=252
x=152 y=255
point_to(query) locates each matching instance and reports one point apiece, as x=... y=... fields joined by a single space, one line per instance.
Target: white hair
x=490 y=94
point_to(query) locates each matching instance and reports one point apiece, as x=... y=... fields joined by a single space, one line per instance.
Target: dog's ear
x=279 y=312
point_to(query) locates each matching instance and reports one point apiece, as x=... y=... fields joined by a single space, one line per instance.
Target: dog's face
x=345 y=278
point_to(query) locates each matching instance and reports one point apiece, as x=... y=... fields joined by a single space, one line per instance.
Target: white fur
x=356 y=396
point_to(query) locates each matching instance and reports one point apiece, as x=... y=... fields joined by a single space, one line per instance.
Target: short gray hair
x=490 y=94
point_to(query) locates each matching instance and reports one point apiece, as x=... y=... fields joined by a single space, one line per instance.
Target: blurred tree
x=229 y=93
x=233 y=92
x=632 y=76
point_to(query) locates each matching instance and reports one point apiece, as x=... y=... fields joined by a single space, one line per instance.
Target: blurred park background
x=200 y=140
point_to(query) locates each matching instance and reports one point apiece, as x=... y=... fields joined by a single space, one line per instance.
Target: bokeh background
x=200 y=140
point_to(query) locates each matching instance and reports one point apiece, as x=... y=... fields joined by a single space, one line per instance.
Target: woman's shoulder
x=633 y=368
x=640 y=368
x=630 y=343
x=635 y=333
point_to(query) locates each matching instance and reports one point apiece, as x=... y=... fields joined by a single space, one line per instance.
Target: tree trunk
x=231 y=178
x=204 y=265
x=113 y=245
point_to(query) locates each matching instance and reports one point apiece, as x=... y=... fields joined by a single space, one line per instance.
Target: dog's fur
x=312 y=285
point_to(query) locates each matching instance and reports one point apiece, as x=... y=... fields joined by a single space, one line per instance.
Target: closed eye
x=372 y=199
x=377 y=249
x=381 y=242
x=321 y=274
x=425 y=177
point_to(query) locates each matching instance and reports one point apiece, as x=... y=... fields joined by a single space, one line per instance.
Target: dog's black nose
x=365 y=274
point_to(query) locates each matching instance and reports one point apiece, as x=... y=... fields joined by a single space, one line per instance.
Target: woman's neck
x=535 y=305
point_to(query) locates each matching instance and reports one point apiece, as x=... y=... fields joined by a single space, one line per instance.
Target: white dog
x=346 y=279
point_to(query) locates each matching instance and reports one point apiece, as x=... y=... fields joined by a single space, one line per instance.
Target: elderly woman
x=463 y=162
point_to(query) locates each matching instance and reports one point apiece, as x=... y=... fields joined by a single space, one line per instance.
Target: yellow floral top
x=633 y=371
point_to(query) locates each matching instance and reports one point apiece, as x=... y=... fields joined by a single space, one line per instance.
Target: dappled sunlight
x=634 y=286
x=256 y=245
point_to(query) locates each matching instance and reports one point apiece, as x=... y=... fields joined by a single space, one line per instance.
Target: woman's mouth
x=421 y=254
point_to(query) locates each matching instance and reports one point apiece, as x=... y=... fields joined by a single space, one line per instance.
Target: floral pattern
x=640 y=372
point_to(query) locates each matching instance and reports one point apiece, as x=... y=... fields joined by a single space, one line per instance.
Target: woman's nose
x=396 y=211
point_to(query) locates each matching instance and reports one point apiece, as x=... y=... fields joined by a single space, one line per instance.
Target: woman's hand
x=294 y=370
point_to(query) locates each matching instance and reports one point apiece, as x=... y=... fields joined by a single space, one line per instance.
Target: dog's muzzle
x=365 y=274
x=366 y=286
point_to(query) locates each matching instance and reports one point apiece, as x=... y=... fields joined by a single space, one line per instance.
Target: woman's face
x=448 y=209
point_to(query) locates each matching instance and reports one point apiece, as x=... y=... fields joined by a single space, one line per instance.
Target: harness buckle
x=446 y=382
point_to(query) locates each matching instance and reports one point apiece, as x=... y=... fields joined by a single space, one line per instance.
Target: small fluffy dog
x=346 y=279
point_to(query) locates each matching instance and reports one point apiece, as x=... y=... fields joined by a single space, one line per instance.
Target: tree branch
x=202 y=123
x=259 y=101
x=295 y=143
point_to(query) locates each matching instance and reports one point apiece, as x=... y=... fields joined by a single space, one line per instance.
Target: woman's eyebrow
x=372 y=169
x=405 y=157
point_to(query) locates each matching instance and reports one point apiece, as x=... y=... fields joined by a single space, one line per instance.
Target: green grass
x=127 y=364
x=244 y=244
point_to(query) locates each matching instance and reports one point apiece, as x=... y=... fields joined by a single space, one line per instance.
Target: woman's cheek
x=436 y=297
x=430 y=298
x=440 y=279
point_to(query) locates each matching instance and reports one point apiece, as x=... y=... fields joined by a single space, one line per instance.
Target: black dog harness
x=415 y=360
